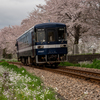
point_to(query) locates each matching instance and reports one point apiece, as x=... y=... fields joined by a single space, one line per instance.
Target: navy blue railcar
x=43 y=43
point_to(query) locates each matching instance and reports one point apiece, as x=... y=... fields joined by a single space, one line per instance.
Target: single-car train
x=44 y=43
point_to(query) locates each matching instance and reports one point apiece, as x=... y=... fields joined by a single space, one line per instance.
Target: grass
x=83 y=54
x=18 y=84
x=10 y=60
x=68 y=64
x=95 y=64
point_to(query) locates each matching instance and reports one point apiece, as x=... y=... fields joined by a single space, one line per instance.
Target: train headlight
x=40 y=47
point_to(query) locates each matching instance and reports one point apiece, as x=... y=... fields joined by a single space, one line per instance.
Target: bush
x=68 y=64
x=5 y=55
x=94 y=64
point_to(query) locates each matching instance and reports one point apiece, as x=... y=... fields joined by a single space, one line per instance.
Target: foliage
x=68 y=64
x=83 y=54
x=8 y=56
x=10 y=60
x=5 y=55
x=81 y=17
x=18 y=84
x=95 y=64
x=2 y=60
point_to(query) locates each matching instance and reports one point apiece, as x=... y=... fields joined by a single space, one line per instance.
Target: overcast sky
x=12 y=12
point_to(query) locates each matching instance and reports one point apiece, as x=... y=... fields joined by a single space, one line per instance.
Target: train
x=43 y=44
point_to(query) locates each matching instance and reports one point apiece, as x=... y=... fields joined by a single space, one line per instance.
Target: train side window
x=26 y=39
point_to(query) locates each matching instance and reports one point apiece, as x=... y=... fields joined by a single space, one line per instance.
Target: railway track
x=88 y=75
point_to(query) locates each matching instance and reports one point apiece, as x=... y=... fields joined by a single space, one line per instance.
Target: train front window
x=51 y=35
x=61 y=34
x=40 y=35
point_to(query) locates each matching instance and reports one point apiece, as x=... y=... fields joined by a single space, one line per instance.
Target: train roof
x=49 y=25
x=44 y=25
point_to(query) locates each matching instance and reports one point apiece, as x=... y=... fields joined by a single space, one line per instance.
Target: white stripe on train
x=44 y=47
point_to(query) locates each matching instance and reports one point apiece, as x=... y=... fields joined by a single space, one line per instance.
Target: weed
x=95 y=64
x=18 y=84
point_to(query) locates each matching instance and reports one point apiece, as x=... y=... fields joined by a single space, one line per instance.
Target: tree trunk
x=1 y=53
x=76 y=36
x=75 y=49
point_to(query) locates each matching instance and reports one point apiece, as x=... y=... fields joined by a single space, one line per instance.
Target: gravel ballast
x=68 y=88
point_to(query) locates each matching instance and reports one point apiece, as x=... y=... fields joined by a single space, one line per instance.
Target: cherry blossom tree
x=91 y=16
x=82 y=18
x=8 y=38
x=68 y=12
